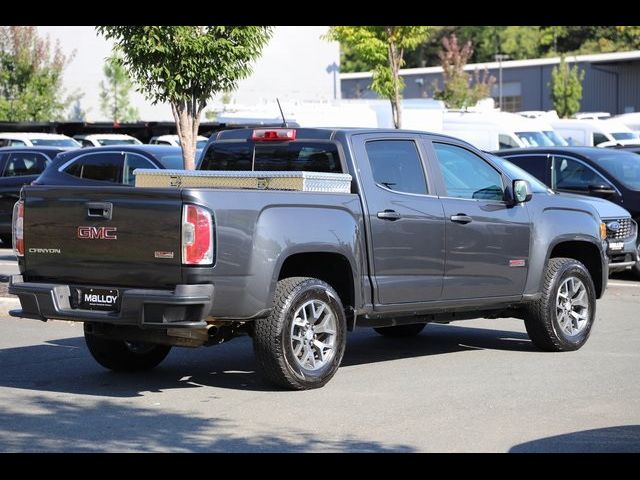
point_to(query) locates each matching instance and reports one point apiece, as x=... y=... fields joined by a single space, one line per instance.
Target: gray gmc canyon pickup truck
x=429 y=230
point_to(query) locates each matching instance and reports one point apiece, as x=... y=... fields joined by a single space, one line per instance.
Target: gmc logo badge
x=97 y=233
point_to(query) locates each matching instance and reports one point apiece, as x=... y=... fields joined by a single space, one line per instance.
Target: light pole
x=334 y=68
x=499 y=58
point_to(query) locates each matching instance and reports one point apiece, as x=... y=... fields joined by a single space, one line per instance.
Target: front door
x=405 y=217
x=487 y=240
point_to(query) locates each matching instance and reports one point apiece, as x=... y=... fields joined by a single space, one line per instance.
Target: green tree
x=458 y=91
x=566 y=88
x=186 y=65
x=30 y=76
x=114 y=93
x=383 y=48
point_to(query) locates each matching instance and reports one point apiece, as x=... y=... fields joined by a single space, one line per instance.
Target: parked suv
x=108 y=165
x=612 y=174
x=19 y=167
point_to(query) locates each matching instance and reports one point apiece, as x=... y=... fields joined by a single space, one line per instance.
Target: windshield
x=534 y=139
x=201 y=144
x=54 y=142
x=624 y=136
x=171 y=162
x=557 y=140
x=124 y=141
x=516 y=173
x=623 y=166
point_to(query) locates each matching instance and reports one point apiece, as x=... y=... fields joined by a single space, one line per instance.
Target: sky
x=293 y=67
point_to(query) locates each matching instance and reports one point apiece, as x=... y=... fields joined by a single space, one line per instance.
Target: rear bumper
x=186 y=306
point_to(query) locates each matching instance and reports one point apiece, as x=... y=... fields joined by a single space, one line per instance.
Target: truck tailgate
x=117 y=236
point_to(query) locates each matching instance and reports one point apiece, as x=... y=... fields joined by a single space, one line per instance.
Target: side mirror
x=521 y=191
x=602 y=189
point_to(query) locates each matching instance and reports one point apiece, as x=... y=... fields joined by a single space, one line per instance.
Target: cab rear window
x=290 y=156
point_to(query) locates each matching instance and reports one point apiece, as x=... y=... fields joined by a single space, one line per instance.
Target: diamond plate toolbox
x=254 y=180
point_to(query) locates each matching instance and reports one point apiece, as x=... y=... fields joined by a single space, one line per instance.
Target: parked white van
x=593 y=133
x=496 y=130
x=174 y=140
x=631 y=120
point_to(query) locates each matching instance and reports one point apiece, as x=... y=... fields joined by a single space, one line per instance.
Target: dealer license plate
x=616 y=245
x=98 y=299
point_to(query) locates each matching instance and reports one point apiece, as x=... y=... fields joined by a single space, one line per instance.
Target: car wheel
x=398 y=331
x=562 y=318
x=124 y=356
x=301 y=344
x=7 y=241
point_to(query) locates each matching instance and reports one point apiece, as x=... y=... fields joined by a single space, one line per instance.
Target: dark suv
x=19 y=166
x=599 y=172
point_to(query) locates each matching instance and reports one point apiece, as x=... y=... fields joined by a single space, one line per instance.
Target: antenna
x=284 y=122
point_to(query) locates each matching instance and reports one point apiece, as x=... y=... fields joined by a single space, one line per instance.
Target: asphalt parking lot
x=475 y=386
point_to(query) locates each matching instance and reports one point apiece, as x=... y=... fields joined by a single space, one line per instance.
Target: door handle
x=389 y=215
x=461 y=218
x=102 y=210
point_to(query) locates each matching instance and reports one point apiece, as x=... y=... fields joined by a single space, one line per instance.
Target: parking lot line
x=624 y=284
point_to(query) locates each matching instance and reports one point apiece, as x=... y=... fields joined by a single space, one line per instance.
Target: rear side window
x=290 y=156
x=131 y=162
x=396 y=165
x=26 y=163
x=104 y=167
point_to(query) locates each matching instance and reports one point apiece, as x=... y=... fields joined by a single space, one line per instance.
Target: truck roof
x=324 y=133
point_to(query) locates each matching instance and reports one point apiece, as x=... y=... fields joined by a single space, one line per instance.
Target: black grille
x=625 y=231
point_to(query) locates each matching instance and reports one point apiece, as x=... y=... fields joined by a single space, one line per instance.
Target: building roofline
x=535 y=62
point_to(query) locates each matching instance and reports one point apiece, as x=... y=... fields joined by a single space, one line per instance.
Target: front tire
x=561 y=320
x=122 y=356
x=401 y=331
x=301 y=344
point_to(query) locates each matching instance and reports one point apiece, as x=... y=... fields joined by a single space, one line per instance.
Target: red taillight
x=17 y=228
x=273 y=134
x=197 y=236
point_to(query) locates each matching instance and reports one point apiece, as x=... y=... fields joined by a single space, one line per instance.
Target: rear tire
x=301 y=344
x=401 y=331
x=122 y=356
x=7 y=241
x=562 y=318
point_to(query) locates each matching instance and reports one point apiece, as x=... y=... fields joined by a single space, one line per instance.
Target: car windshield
x=171 y=161
x=624 y=136
x=54 y=142
x=623 y=166
x=516 y=173
x=200 y=144
x=124 y=141
x=557 y=140
x=534 y=139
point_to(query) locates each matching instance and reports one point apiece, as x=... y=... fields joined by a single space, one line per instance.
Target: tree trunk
x=395 y=57
x=187 y=117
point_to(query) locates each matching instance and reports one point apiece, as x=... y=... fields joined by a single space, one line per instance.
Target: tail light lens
x=197 y=236
x=17 y=228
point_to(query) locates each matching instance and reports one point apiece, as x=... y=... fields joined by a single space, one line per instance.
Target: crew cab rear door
x=405 y=218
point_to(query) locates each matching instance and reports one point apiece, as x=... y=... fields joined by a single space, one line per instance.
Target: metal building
x=611 y=83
